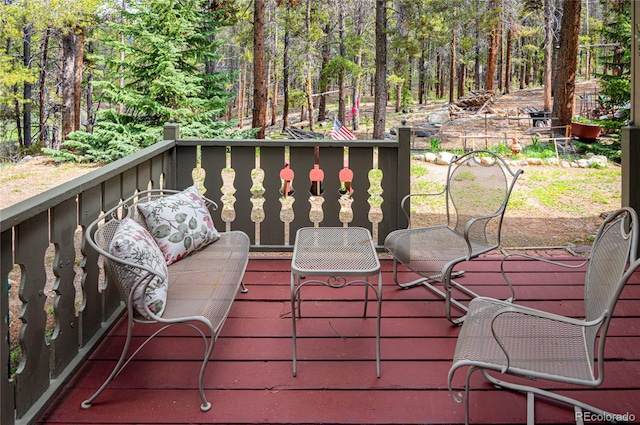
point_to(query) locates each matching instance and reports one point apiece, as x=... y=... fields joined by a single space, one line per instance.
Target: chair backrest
x=99 y=235
x=479 y=185
x=614 y=246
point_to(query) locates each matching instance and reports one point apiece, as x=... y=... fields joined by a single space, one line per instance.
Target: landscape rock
x=583 y=163
x=553 y=161
x=438 y=117
x=444 y=158
x=430 y=157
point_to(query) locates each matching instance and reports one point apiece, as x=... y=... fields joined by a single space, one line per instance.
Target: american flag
x=340 y=132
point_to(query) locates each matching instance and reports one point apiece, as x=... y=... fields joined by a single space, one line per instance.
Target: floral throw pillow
x=180 y=223
x=132 y=242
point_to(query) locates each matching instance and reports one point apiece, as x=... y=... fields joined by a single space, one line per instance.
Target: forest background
x=95 y=80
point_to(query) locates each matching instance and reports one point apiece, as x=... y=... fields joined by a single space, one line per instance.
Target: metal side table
x=338 y=253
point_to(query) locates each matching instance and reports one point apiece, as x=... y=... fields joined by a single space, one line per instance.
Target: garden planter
x=585 y=131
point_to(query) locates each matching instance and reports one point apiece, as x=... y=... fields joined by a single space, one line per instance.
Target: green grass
x=566 y=191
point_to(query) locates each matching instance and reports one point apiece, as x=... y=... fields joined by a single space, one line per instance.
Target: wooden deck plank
x=237 y=374
x=249 y=378
x=323 y=348
x=144 y=406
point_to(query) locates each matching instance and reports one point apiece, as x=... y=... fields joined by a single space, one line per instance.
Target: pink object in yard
x=585 y=131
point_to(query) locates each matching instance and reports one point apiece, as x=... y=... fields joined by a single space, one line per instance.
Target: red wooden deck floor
x=249 y=379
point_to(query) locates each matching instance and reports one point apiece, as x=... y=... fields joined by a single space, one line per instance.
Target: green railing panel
x=65 y=338
x=258 y=210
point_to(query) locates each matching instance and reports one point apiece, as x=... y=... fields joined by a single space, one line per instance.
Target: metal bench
x=200 y=287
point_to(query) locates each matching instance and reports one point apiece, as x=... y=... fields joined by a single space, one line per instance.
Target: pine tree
x=166 y=66
x=616 y=86
x=166 y=45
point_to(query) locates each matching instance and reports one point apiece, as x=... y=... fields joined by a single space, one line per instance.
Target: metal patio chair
x=477 y=189
x=526 y=342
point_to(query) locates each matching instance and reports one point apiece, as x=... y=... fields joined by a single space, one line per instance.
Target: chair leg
x=122 y=362
x=206 y=405
x=466 y=394
x=449 y=300
x=244 y=289
x=533 y=391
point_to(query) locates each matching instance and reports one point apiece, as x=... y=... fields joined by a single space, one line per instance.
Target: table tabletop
x=343 y=251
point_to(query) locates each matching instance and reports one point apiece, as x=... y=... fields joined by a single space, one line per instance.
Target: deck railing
x=250 y=179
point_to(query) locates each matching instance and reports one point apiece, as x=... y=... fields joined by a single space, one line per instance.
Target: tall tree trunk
x=285 y=73
x=507 y=67
x=342 y=109
x=259 y=81
x=309 y=79
x=359 y=25
x=452 y=62
x=476 y=59
x=521 y=68
x=442 y=85
x=26 y=107
x=42 y=121
x=421 y=78
x=564 y=90
x=323 y=80
x=267 y=85
x=274 y=102
x=123 y=6
x=241 y=91
x=492 y=57
x=77 y=81
x=16 y=106
x=68 y=79
x=462 y=76
x=357 y=81
x=380 y=102
x=438 y=68
x=89 y=105
x=548 y=53
x=500 y=58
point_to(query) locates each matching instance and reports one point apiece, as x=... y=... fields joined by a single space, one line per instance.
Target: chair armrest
x=511 y=309
x=531 y=257
x=406 y=212
x=472 y=222
x=544 y=260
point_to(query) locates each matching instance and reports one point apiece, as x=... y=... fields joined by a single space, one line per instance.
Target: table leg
x=366 y=296
x=379 y=319
x=293 y=321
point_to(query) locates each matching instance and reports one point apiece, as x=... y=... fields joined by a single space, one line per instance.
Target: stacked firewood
x=476 y=101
